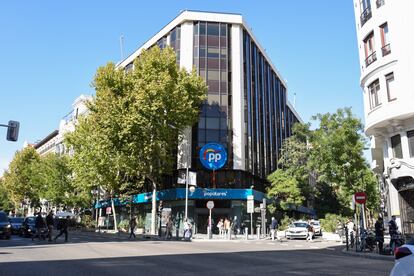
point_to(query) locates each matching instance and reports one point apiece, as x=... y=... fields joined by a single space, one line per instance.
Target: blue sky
x=50 y=50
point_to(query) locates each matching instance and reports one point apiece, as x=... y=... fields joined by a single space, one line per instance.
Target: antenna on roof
x=121 y=42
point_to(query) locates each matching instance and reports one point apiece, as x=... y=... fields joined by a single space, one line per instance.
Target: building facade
x=386 y=60
x=247 y=111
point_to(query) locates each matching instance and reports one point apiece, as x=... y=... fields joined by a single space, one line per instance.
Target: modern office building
x=387 y=60
x=247 y=112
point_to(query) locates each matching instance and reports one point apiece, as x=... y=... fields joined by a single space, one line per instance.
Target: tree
x=133 y=127
x=18 y=179
x=54 y=179
x=5 y=200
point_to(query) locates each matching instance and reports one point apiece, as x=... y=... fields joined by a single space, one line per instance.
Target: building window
x=366 y=13
x=410 y=136
x=396 y=146
x=373 y=90
x=369 y=46
x=386 y=48
x=390 y=87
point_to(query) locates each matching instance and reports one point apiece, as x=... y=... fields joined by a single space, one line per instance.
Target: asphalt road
x=91 y=254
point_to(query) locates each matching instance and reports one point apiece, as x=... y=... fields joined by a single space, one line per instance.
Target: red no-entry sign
x=360 y=197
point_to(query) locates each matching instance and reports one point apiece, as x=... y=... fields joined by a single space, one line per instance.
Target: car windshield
x=3 y=217
x=31 y=220
x=16 y=220
x=315 y=222
x=299 y=224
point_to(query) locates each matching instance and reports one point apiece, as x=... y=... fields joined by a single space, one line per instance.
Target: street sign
x=257 y=210
x=360 y=197
x=210 y=204
x=108 y=210
x=250 y=204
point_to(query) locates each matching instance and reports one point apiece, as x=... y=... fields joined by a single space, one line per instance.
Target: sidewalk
x=369 y=255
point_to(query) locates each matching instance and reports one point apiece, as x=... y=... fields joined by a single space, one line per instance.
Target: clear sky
x=50 y=50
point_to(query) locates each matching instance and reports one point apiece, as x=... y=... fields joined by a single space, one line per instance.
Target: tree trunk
x=113 y=211
x=154 y=209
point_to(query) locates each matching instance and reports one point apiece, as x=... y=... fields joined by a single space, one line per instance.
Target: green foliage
x=133 y=126
x=124 y=225
x=331 y=221
x=284 y=223
x=5 y=200
x=285 y=188
x=18 y=180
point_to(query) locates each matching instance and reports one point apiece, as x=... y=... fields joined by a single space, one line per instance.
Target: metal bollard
x=258 y=232
x=246 y=233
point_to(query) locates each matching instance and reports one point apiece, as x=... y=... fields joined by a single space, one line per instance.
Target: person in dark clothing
x=132 y=225
x=49 y=224
x=393 y=229
x=379 y=234
x=39 y=225
x=63 y=227
x=273 y=228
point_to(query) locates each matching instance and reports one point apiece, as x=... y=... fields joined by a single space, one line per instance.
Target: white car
x=404 y=260
x=298 y=229
x=316 y=225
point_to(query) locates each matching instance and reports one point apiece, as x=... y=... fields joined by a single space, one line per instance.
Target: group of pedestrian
x=226 y=227
x=45 y=227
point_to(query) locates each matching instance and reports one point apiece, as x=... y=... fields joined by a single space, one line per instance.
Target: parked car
x=316 y=225
x=298 y=229
x=28 y=227
x=5 y=226
x=16 y=225
x=404 y=260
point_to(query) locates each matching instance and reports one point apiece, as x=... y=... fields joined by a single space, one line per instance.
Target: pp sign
x=213 y=156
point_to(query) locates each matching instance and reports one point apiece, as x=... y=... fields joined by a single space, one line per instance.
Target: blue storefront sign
x=213 y=156
x=199 y=193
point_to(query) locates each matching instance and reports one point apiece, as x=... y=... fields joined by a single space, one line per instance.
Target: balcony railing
x=370 y=59
x=386 y=50
x=366 y=15
x=380 y=3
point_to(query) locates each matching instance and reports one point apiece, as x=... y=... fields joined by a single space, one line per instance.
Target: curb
x=369 y=255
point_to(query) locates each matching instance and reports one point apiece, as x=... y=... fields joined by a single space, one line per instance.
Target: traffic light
x=13 y=131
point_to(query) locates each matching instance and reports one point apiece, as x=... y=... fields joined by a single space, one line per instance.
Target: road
x=93 y=254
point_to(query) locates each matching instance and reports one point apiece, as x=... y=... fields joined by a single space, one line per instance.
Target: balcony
x=366 y=15
x=370 y=59
x=380 y=3
x=386 y=50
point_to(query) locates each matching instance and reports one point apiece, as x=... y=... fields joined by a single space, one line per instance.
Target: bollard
x=258 y=232
x=246 y=233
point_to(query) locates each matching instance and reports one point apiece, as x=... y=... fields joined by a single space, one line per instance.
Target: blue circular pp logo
x=213 y=156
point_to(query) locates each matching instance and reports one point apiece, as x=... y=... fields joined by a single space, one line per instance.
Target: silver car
x=404 y=260
x=298 y=229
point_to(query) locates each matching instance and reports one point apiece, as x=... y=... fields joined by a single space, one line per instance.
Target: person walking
x=168 y=229
x=39 y=225
x=220 y=226
x=393 y=230
x=49 y=224
x=227 y=228
x=310 y=232
x=379 y=234
x=63 y=227
x=132 y=225
x=273 y=228
x=187 y=230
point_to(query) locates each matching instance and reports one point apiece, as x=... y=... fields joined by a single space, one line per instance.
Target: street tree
x=132 y=131
x=18 y=178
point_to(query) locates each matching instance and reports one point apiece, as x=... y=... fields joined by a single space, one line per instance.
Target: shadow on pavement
x=272 y=262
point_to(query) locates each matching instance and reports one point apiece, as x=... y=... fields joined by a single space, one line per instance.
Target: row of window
x=369 y=45
x=396 y=145
x=374 y=91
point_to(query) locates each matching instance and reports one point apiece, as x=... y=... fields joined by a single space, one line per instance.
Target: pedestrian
x=63 y=228
x=132 y=225
x=220 y=226
x=39 y=225
x=379 y=234
x=273 y=228
x=393 y=230
x=227 y=228
x=49 y=224
x=187 y=230
x=351 y=232
x=310 y=232
x=168 y=229
x=234 y=226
